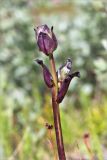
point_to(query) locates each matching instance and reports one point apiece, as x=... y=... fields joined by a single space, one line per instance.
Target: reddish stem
x=56 y=113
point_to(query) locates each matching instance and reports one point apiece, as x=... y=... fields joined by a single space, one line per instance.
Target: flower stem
x=56 y=112
x=53 y=72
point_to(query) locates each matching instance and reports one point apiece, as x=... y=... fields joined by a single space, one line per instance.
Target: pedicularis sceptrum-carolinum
x=58 y=81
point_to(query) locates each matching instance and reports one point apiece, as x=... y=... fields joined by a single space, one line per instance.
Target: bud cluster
x=47 y=43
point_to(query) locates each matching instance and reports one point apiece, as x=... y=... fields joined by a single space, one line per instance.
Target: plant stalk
x=56 y=112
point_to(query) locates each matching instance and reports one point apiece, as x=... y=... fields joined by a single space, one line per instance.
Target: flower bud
x=46 y=39
x=64 y=87
x=64 y=70
x=46 y=74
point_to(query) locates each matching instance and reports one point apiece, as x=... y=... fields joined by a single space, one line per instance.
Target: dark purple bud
x=64 y=87
x=46 y=74
x=46 y=39
x=49 y=126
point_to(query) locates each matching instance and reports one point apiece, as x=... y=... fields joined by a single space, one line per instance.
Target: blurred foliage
x=25 y=103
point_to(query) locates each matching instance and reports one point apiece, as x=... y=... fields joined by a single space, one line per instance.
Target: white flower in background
x=104 y=43
x=100 y=64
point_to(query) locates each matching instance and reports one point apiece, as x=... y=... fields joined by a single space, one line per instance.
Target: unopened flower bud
x=49 y=126
x=46 y=74
x=46 y=39
x=64 y=87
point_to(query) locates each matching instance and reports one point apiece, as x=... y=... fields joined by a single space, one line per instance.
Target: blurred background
x=25 y=101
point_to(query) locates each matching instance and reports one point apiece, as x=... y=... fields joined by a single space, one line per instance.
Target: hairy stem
x=56 y=112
